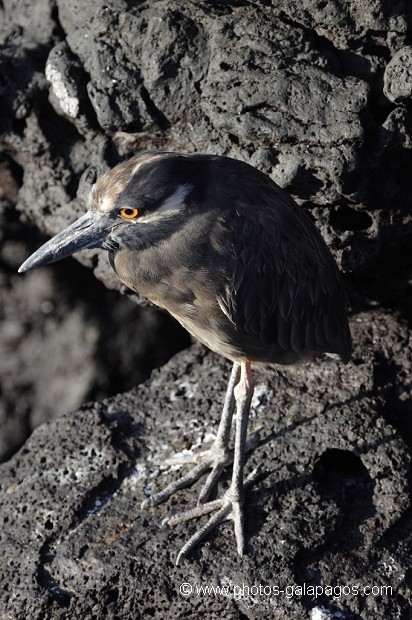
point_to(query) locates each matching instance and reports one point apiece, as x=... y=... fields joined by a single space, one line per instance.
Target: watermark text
x=291 y=591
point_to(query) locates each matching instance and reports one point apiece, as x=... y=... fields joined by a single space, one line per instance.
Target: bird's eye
x=128 y=213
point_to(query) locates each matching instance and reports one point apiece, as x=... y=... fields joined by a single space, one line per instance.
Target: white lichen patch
x=321 y=613
x=63 y=92
x=186 y=389
x=259 y=399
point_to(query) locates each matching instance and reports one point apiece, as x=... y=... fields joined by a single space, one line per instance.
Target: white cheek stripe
x=175 y=201
x=172 y=205
x=154 y=217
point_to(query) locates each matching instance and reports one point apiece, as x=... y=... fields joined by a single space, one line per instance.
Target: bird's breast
x=188 y=294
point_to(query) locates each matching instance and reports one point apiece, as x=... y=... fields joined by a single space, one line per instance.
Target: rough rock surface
x=331 y=508
x=317 y=95
x=294 y=88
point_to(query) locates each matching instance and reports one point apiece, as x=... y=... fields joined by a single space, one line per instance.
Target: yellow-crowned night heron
x=233 y=258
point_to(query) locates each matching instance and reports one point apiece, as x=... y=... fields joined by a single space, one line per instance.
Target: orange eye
x=128 y=213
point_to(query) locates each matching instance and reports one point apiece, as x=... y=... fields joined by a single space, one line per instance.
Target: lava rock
x=295 y=89
x=398 y=76
x=313 y=93
x=335 y=449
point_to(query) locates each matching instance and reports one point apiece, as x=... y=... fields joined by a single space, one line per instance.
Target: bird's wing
x=283 y=284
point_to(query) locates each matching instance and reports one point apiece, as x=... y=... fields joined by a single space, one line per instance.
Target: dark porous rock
x=293 y=88
x=331 y=507
x=398 y=76
x=315 y=94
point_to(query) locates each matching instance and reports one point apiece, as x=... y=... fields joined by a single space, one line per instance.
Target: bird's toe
x=230 y=506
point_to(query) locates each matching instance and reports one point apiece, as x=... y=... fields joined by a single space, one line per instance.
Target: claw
x=230 y=506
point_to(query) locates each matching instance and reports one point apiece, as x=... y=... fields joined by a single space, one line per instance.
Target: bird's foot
x=217 y=458
x=230 y=506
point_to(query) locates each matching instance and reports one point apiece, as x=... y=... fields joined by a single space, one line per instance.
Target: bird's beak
x=86 y=232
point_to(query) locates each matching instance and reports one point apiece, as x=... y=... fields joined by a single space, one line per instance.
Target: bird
x=228 y=253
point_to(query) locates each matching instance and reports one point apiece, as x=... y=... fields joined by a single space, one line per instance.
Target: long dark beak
x=86 y=232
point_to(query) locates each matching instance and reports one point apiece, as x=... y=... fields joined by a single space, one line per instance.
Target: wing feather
x=283 y=285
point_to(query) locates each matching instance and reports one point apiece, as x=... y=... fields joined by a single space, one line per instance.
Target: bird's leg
x=243 y=394
x=220 y=449
x=231 y=504
x=217 y=457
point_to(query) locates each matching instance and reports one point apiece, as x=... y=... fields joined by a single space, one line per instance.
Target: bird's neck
x=167 y=261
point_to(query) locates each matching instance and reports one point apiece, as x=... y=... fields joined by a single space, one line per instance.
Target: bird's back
x=282 y=292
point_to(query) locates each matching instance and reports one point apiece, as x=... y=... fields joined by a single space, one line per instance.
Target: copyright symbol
x=186 y=589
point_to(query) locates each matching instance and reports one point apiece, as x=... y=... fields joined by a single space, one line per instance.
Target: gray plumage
x=246 y=271
x=229 y=254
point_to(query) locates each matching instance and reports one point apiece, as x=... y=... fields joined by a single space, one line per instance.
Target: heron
x=230 y=255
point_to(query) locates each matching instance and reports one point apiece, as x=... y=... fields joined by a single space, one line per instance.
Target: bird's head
x=136 y=203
